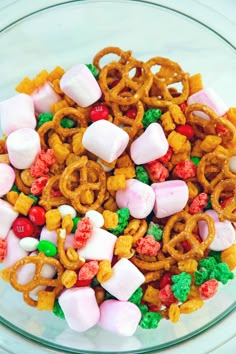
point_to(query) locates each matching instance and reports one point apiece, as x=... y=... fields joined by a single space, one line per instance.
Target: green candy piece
x=57 y=310
x=150 y=320
x=43 y=118
x=221 y=273
x=181 y=286
x=47 y=247
x=155 y=231
x=143 y=308
x=209 y=205
x=216 y=255
x=75 y=222
x=136 y=296
x=151 y=116
x=93 y=70
x=67 y=123
x=94 y=282
x=14 y=188
x=142 y=175
x=123 y=219
x=34 y=198
x=208 y=263
x=195 y=160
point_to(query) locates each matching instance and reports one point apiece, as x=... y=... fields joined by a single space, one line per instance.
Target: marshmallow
x=138 y=197
x=232 y=164
x=79 y=84
x=7 y=216
x=17 y=113
x=80 y=308
x=120 y=317
x=105 y=140
x=7 y=178
x=14 y=250
x=170 y=197
x=126 y=278
x=43 y=97
x=149 y=146
x=23 y=145
x=208 y=97
x=99 y=246
x=225 y=233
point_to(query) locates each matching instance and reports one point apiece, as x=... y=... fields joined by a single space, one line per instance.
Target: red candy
x=3 y=250
x=23 y=227
x=38 y=185
x=131 y=113
x=81 y=283
x=158 y=172
x=148 y=245
x=208 y=289
x=166 y=279
x=88 y=270
x=83 y=232
x=166 y=296
x=185 y=169
x=198 y=203
x=167 y=156
x=185 y=130
x=37 y=215
x=99 y=112
x=183 y=106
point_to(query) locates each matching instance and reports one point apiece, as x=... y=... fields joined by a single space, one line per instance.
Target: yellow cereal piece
x=69 y=278
x=221 y=150
x=70 y=102
x=191 y=306
x=77 y=146
x=177 y=142
x=167 y=122
x=110 y=204
x=40 y=78
x=115 y=183
x=67 y=223
x=26 y=177
x=177 y=114
x=87 y=197
x=196 y=149
x=23 y=204
x=71 y=158
x=57 y=88
x=193 y=190
x=174 y=313
x=61 y=152
x=124 y=161
x=188 y=265
x=58 y=105
x=12 y=197
x=132 y=227
x=123 y=246
x=46 y=300
x=56 y=73
x=195 y=83
x=151 y=295
x=110 y=219
x=181 y=156
x=229 y=256
x=5 y=274
x=128 y=172
x=104 y=272
x=231 y=115
x=4 y=158
x=194 y=292
x=53 y=140
x=26 y=86
x=210 y=143
x=53 y=219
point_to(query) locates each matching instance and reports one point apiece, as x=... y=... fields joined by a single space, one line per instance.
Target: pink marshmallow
x=170 y=197
x=99 y=246
x=7 y=178
x=120 y=317
x=14 y=250
x=138 y=197
x=79 y=84
x=208 y=97
x=17 y=113
x=126 y=278
x=23 y=145
x=44 y=97
x=225 y=233
x=7 y=216
x=105 y=140
x=80 y=308
x=149 y=146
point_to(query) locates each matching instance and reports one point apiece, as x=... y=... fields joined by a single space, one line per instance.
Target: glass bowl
x=66 y=33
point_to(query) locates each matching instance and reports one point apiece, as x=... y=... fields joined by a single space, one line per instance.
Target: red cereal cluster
x=41 y=165
x=3 y=250
x=166 y=279
x=166 y=296
x=158 y=172
x=83 y=232
x=88 y=270
x=148 y=246
x=198 y=203
x=208 y=289
x=38 y=185
x=167 y=156
x=186 y=130
x=185 y=169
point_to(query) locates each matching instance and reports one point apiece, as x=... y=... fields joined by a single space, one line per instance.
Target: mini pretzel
x=226 y=213
x=124 y=55
x=153 y=266
x=73 y=114
x=49 y=201
x=43 y=132
x=20 y=184
x=39 y=260
x=84 y=167
x=137 y=229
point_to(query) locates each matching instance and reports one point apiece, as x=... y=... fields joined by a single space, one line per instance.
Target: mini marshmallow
x=170 y=197
x=126 y=278
x=7 y=216
x=99 y=246
x=23 y=145
x=208 y=97
x=105 y=140
x=67 y=209
x=16 y=113
x=80 y=308
x=7 y=178
x=43 y=97
x=149 y=146
x=79 y=84
x=225 y=233
x=95 y=217
x=14 y=250
x=120 y=317
x=138 y=197
x=232 y=164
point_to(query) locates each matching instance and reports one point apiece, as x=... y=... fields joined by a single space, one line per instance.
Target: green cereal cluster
x=150 y=320
x=216 y=255
x=181 y=286
x=195 y=160
x=221 y=273
x=136 y=296
x=123 y=219
x=212 y=268
x=44 y=118
x=142 y=175
x=57 y=310
x=155 y=231
x=67 y=123
x=93 y=70
x=36 y=199
x=151 y=116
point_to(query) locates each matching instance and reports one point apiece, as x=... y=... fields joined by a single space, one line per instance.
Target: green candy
x=150 y=320
x=181 y=286
x=67 y=123
x=151 y=116
x=57 y=310
x=195 y=160
x=136 y=296
x=75 y=222
x=34 y=198
x=47 y=247
x=93 y=70
x=142 y=175
x=155 y=231
x=43 y=118
x=123 y=219
x=94 y=282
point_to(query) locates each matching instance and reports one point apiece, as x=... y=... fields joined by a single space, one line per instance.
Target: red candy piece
x=99 y=112
x=148 y=245
x=83 y=232
x=208 y=289
x=166 y=296
x=37 y=215
x=158 y=172
x=38 y=185
x=198 y=203
x=167 y=156
x=185 y=169
x=185 y=130
x=3 y=250
x=23 y=227
x=81 y=283
x=131 y=113
x=183 y=106
x=88 y=270
x=166 y=279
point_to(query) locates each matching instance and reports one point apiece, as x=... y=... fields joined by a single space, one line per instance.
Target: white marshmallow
x=23 y=145
x=7 y=216
x=7 y=178
x=43 y=97
x=105 y=140
x=96 y=218
x=16 y=113
x=79 y=84
x=232 y=164
x=52 y=237
x=14 y=250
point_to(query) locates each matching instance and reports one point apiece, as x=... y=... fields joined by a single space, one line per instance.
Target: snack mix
x=117 y=188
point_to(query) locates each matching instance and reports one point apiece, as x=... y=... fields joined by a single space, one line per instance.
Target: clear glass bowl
x=66 y=33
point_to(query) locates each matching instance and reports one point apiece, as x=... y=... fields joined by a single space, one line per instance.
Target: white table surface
x=221 y=339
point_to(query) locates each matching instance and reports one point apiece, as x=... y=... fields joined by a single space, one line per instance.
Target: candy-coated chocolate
x=23 y=227
x=37 y=215
x=99 y=112
x=29 y=244
x=47 y=247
